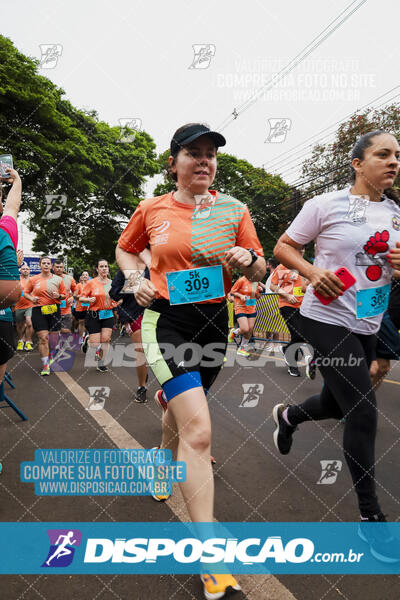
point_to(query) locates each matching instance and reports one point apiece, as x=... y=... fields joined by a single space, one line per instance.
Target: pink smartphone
x=345 y=277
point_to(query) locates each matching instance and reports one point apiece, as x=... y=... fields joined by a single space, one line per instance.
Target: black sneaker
x=293 y=371
x=102 y=368
x=85 y=343
x=382 y=544
x=311 y=367
x=140 y=395
x=283 y=434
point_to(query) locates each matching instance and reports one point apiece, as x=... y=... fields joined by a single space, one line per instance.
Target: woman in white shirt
x=357 y=228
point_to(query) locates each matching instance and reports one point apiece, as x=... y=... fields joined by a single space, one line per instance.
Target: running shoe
x=28 y=346
x=20 y=345
x=283 y=434
x=217 y=586
x=159 y=398
x=311 y=367
x=140 y=395
x=84 y=346
x=231 y=335
x=242 y=352
x=293 y=371
x=382 y=544
x=160 y=497
x=102 y=368
x=45 y=370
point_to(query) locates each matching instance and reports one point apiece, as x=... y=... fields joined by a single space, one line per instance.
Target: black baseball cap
x=191 y=133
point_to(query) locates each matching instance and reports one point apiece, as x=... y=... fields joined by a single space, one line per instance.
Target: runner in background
x=244 y=294
x=46 y=291
x=70 y=286
x=99 y=317
x=130 y=316
x=23 y=313
x=290 y=287
x=81 y=309
x=388 y=336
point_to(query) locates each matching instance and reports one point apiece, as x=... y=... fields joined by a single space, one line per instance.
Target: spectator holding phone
x=10 y=287
x=357 y=228
x=10 y=290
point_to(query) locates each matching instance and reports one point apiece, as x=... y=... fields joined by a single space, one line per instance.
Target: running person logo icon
x=330 y=470
x=63 y=543
x=251 y=394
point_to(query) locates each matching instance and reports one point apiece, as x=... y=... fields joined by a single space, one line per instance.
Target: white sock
x=237 y=331
x=245 y=341
x=45 y=360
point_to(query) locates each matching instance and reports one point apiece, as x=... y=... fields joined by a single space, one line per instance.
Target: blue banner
x=173 y=548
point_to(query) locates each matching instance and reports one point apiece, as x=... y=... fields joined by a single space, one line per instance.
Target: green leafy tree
x=264 y=194
x=61 y=150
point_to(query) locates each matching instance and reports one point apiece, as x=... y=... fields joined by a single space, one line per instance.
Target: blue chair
x=6 y=399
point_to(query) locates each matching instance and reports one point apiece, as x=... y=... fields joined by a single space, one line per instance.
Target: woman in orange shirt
x=244 y=293
x=197 y=237
x=45 y=291
x=80 y=309
x=99 y=317
x=291 y=287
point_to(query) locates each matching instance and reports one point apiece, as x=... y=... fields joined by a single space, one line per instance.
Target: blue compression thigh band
x=182 y=383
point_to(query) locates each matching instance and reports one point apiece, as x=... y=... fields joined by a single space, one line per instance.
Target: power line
x=301 y=158
x=311 y=46
x=273 y=166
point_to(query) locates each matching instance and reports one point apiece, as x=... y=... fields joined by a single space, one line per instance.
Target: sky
x=169 y=63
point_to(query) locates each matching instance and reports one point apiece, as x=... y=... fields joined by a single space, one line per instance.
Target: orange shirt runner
x=183 y=236
x=289 y=282
x=40 y=287
x=100 y=290
x=249 y=289
x=78 y=293
x=70 y=286
x=23 y=303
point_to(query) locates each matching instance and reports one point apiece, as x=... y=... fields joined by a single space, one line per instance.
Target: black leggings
x=291 y=316
x=344 y=359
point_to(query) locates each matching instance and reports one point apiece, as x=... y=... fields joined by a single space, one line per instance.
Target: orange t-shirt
x=183 y=236
x=290 y=282
x=41 y=286
x=23 y=302
x=246 y=288
x=70 y=286
x=98 y=289
x=78 y=292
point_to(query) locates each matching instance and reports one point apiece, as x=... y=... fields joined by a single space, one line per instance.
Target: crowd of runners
x=176 y=259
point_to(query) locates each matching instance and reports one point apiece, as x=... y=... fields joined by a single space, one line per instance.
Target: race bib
x=105 y=314
x=298 y=291
x=372 y=301
x=85 y=304
x=63 y=304
x=195 y=285
x=49 y=309
x=251 y=302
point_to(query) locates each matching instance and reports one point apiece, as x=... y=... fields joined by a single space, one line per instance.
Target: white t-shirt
x=355 y=233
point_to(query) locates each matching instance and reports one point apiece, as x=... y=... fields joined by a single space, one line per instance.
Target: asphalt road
x=252 y=481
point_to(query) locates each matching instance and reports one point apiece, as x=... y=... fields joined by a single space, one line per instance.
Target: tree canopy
x=62 y=150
